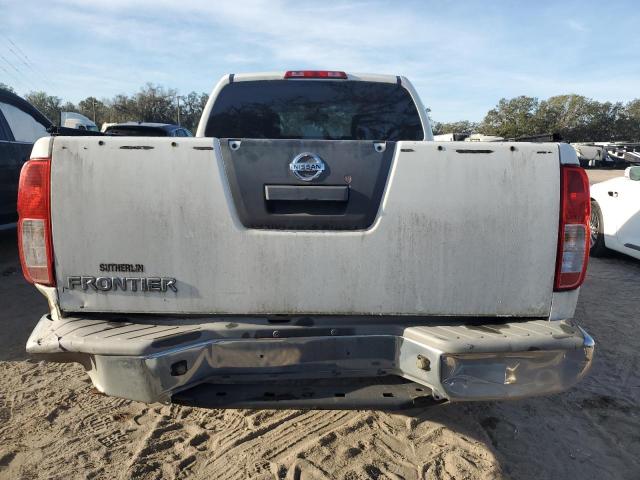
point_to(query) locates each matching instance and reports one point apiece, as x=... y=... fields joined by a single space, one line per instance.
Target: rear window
x=308 y=109
x=135 y=131
x=24 y=127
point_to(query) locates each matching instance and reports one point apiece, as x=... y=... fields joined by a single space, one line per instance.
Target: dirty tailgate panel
x=458 y=233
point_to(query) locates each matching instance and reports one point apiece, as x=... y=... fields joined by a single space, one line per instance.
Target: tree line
x=152 y=103
x=575 y=118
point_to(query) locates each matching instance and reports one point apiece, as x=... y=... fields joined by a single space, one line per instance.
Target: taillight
x=315 y=74
x=573 y=234
x=34 y=222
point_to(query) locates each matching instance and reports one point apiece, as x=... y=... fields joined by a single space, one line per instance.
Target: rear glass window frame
x=263 y=118
x=21 y=123
x=6 y=135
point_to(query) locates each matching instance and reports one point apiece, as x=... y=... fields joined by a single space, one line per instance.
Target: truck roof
x=279 y=75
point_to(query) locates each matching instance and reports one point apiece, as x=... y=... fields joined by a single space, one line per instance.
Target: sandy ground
x=601 y=175
x=53 y=424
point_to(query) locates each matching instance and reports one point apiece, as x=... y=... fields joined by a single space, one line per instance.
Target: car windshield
x=307 y=109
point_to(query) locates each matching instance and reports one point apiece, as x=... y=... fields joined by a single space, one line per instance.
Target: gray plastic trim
x=356 y=170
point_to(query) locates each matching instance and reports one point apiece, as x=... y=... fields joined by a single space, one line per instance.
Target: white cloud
x=576 y=25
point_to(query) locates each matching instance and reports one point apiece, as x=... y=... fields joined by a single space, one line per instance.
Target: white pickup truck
x=311 y=247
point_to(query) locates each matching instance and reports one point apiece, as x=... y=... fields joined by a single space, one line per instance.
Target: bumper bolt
x=276 y=333
x=179 y=368
x=423 y=363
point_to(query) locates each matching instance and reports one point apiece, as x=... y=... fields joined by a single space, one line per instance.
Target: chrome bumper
x=152 y=359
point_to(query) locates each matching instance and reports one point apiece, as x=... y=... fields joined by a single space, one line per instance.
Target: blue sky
x=462 y=56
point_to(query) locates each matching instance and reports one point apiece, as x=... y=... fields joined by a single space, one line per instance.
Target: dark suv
x=21 y=124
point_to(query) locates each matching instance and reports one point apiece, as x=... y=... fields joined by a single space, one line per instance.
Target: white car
x=615 y=214
x=76 y=120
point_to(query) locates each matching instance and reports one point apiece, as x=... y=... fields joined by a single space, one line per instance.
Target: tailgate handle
x=306 y=193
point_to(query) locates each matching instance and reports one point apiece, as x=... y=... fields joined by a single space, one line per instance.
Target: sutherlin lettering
x=122 y=267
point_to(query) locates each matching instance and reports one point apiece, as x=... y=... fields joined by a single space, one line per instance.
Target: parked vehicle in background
x=615 y=214
x=78 y=121
x=592 y=155
x=311 y=247
x=450 y=137
x=146 y=129
x=479 y=137
x=621 y=153
x=633 y=156
x=21 y=124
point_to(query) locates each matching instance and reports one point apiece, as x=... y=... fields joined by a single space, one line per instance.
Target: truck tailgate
x=462 y=229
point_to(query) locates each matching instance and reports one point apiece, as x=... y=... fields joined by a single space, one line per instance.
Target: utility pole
x=178 y=99
x=93 y=102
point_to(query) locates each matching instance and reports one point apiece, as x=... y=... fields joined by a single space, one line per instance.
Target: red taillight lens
x=573 y=235
x=315 y=74
x=34 y=222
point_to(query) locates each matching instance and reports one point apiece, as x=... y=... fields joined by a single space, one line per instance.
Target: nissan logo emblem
x=307 y=166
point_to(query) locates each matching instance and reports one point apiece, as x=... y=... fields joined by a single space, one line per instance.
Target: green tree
x=191 y=107
x=154 y=103
x=49 y=105
x=462 y=126
x=579 y=119
x=68 y=107
x=628 y=122
x=565 y=114
x=122 y=109
x=512 y=118
x=603 y=121
x=4 y=86
x=94 y=109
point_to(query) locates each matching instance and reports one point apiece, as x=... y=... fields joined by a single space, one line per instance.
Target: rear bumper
x=153 y=359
